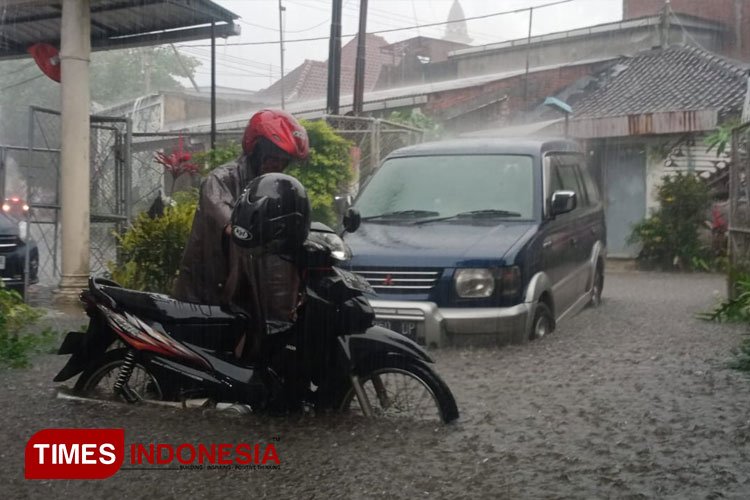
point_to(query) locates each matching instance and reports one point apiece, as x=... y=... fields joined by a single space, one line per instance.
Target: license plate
x=406 y=328
x=2 y=262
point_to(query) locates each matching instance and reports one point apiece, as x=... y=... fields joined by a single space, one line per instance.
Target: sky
x=254 y=67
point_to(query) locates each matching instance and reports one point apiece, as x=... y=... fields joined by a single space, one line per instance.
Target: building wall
x=541 y=84
x=732 y=13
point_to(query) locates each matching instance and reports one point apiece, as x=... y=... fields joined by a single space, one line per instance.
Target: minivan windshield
x=498 y=186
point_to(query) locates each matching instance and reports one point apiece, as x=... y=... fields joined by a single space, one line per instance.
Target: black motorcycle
x=147 y=346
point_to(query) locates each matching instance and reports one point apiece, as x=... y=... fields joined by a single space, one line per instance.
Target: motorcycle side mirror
x=352 y=220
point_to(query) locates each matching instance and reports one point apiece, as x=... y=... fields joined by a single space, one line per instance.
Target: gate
x=33 y=172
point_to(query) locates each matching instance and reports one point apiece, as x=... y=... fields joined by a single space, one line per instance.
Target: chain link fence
x=125 y=179
x=33 y=173
x=373 y=139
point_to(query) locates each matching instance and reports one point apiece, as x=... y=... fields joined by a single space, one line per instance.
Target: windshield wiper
x=490 y=212
x=403 y=213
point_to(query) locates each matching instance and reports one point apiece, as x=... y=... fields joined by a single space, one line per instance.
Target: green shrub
x=15 y=317
x=220 y=155
x=669 y=237
x=735 y=310
x=327 y=171
x=741 y=360
x=151 y=249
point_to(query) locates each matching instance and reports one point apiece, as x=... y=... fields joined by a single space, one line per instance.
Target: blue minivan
x=478 y=240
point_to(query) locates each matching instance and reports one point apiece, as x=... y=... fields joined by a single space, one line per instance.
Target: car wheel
x=544 y=322
x=597 y=287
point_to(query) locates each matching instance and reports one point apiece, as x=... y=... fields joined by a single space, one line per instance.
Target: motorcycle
x=147 y=346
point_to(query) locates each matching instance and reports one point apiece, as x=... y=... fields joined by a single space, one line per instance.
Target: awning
x=114 y=23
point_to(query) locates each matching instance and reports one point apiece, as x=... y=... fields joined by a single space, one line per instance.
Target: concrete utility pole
x=281 y=48
x=665 y=19
x=334 y=61
x=528 y=54
x=359 y=68
x=75 y=214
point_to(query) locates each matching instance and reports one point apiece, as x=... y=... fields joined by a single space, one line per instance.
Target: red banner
x=75 y=453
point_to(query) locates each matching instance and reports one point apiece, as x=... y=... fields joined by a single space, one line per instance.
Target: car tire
x=597 y=287
x=543 y=323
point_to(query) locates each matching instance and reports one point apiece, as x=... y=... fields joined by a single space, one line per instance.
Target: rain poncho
x=215 y=271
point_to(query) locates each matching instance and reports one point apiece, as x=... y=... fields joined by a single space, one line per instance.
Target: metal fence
x=739 y=206
x=33 y=172
x=125 y=178
x=374 y=139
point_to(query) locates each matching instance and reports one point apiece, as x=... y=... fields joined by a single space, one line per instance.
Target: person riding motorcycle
x=270 y=223
x=272 y=139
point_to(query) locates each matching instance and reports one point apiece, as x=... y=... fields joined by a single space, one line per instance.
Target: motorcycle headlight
x=339 y=249
x=474 y=283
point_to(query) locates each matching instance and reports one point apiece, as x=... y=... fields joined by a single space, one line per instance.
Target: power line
x=383 y=17
x=392 y=30
x=21 y=82
x=22 y=68
x=230 y=59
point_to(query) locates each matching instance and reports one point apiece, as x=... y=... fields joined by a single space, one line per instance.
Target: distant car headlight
x=474 y=283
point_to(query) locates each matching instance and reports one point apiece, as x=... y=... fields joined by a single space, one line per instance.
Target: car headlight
x=474 y=283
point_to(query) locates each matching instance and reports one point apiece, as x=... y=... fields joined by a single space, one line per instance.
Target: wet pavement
x=630 y=400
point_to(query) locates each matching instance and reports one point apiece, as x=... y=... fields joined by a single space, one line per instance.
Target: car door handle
x=593 y=231
x=574 y=242
x=547 y=243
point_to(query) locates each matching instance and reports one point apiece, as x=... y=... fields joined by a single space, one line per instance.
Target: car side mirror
x=352 y=220
x=341 y=203
x=563 y=202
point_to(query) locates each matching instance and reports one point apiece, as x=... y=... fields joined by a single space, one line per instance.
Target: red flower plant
x=178 y=162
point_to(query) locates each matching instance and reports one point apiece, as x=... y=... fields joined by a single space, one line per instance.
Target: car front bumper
x=435 y=326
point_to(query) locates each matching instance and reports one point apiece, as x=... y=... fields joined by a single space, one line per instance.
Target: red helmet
x=279 y=127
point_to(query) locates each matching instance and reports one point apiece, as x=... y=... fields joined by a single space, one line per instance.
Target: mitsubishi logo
x=388 y=280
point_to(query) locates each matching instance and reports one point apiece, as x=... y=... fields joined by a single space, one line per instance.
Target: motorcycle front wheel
x=403 y=388
x=98 y=380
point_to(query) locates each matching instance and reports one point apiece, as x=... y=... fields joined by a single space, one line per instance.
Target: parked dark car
x=473 y=240
x=14 y=242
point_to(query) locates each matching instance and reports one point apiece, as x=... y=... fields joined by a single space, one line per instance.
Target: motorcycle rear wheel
x=97 y=381
x=403 y=388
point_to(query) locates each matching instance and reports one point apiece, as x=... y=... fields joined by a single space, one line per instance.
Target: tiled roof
x=310 y=79
x=663 y=80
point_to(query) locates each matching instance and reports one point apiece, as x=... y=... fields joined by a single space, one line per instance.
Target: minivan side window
x=591 y=189
x=565 y=175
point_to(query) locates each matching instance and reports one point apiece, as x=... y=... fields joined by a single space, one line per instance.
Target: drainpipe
x=74 y=156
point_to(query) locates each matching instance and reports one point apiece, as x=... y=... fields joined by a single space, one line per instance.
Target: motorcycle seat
x=165 y=309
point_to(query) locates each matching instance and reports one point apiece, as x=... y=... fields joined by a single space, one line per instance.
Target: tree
x=116 y=76
x=122 y=75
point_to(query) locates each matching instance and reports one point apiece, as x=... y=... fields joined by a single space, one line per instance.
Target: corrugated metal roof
x=114 y=23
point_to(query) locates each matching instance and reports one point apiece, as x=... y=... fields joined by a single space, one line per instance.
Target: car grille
x=400 y=280
x=8 y=243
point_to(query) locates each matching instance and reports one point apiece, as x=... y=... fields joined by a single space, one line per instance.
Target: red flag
x=47 y=58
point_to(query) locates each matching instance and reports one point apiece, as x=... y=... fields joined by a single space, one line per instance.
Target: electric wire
x=21 y=82
x=393 y=30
